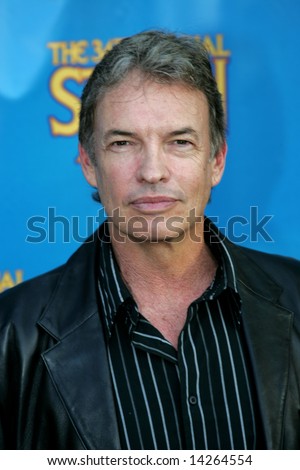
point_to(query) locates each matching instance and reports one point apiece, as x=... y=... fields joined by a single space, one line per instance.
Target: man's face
x=153 y=167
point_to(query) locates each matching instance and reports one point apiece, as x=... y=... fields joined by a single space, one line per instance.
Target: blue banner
x=48 y=51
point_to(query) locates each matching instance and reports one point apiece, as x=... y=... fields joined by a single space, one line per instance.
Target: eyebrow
x=117 y=132
x=120 y=132
x=184 y=130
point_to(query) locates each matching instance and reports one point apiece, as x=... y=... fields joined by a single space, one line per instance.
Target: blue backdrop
x=48 y=50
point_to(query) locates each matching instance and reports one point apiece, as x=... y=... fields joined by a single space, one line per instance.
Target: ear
x=218 y=165
x=87 y=167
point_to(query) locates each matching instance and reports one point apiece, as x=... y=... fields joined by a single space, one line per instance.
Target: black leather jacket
x=55 y=386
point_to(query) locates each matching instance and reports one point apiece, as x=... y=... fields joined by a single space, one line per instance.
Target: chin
x=156 y=237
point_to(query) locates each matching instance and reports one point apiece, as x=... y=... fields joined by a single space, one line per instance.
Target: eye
x=120 y=143
x=182 y=142
x=120 y=146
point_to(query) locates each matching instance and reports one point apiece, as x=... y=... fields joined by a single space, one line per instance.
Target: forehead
x=136 y=98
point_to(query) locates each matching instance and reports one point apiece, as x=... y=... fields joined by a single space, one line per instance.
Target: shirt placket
x=191 y=400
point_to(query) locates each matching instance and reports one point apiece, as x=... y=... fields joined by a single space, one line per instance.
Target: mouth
x=151 y=204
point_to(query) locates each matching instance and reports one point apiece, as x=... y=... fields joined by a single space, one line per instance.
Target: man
x=158 y=333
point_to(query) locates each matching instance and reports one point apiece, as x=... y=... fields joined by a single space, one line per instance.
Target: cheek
x=197 y=180
x=112 y=185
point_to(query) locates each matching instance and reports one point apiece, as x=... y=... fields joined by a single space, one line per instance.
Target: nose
x=153 y=166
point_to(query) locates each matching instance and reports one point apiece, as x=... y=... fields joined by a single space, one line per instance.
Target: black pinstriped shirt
x=198 y=397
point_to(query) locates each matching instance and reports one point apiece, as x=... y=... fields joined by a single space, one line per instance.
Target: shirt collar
x=113 y=291
x=115 y=297
x=215 y=240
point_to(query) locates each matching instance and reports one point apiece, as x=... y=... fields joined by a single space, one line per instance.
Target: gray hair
x=161 y=56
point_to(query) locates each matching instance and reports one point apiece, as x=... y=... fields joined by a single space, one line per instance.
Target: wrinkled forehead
x=138 y=81
x=137 y=86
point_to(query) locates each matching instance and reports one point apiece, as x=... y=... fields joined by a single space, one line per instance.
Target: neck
x=165 y=278
x=165 y=264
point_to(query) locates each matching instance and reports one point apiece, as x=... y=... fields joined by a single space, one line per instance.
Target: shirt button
x=193 y=400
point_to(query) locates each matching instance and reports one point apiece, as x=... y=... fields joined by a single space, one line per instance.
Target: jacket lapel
x=78 y=363
x=79 y=370
x=267 y=326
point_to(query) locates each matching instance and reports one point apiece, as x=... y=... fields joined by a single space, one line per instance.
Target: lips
x=153 y=203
